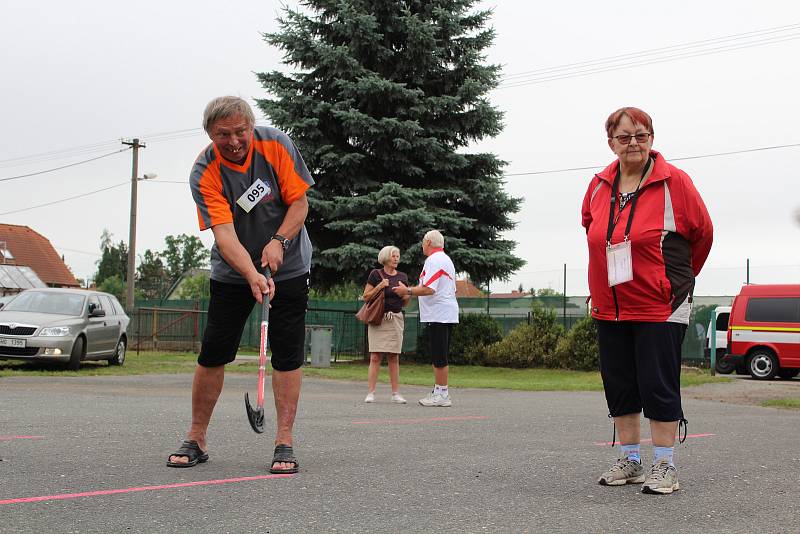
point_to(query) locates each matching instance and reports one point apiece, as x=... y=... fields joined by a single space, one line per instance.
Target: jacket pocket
x=666 y=290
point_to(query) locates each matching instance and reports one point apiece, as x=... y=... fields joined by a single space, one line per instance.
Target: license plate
x=8 y=342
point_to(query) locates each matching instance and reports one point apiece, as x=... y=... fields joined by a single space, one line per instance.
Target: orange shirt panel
x=219 y=211
x=291 y=184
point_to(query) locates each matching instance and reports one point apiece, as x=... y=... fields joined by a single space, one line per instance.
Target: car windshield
x=47 y=302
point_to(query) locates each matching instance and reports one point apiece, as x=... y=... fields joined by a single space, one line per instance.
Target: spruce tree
x=383 y=100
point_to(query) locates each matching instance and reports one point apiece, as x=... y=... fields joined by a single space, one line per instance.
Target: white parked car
x=63 y=325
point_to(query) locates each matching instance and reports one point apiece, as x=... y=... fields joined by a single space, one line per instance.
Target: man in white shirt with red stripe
x=439 y=308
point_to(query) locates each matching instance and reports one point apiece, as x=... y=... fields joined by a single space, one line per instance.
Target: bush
x=528 y=345
x=578 y=350
x=474 y=332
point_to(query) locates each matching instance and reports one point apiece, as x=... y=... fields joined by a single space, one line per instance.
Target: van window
x=722 y=321
x=773 y=310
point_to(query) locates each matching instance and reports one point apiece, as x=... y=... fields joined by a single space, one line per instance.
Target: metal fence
x=178 y=325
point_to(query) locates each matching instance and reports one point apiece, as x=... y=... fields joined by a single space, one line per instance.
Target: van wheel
x=723 y=368
x=762 y=364
x=788 y=374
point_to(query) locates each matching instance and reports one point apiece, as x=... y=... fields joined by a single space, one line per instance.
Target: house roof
x=465 y=288
x=18 y=277
x=31 y=249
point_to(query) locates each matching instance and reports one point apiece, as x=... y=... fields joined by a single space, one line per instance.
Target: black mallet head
x=255 y=416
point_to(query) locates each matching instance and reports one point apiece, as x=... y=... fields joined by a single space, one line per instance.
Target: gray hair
x=227 y=106
x=435 y=237
x=386 y=253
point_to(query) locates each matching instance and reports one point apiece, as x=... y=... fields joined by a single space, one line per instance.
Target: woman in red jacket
x=649 y=234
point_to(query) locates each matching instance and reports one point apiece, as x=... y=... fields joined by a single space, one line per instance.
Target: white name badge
x=620 y=263
x=257 y=191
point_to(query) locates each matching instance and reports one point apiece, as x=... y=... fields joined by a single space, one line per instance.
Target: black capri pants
x=229 y=309
x=439 y=335
x=641 y=368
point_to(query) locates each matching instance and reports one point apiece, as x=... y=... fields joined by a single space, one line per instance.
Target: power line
x=64 y=199
x=632 y=55
x=77 y=251
x=599 y=68
x=63 y=166
x=683 y=158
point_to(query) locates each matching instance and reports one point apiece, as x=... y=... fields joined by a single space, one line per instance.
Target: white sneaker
x=370 y=397
x=436 y=399
x=398 y=399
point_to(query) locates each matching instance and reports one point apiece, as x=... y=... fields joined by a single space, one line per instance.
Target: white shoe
x=398 y=399
x=370 y=397
x=436 y=399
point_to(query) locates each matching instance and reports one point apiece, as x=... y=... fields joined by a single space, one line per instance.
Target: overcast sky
x=82 y=75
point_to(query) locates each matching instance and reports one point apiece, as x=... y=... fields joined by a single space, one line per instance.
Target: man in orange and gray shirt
x=250 y=187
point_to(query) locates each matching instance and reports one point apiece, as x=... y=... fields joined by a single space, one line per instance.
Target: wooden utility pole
x=131 y=276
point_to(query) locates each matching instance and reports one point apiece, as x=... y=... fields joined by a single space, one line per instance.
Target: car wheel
x=77 y=353
x=119 y=354
x=788 y=374
x=762 y=364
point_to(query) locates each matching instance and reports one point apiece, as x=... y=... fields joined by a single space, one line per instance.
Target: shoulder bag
x=372 y=311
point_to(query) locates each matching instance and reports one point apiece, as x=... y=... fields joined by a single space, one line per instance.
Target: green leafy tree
x=152 y=279
x=195 y=287
x=387 y=97
x=183 y=253
x=113 y=260
x=113 y=285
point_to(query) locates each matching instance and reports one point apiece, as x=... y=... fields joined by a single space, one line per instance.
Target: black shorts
x=229 y=309
x=641 y=368
x=439 y=335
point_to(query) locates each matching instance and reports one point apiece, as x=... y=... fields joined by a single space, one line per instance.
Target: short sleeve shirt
x=217 y=184
x=392 y=302
x=438 y=274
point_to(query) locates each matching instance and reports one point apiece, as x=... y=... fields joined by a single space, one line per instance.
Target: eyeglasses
x=626 y=138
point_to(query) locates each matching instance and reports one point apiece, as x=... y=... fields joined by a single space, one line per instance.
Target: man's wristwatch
x=282 y=240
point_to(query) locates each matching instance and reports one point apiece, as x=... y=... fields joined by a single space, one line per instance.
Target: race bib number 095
x=258 y=190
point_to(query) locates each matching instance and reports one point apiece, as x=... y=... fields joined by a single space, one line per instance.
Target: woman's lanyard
x=612 y=221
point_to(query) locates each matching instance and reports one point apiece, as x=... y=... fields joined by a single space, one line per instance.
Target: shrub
x=528 y=345
x=578 y=350
x=473 y=333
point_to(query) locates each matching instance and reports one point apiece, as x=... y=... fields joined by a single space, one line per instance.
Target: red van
x=764 y=331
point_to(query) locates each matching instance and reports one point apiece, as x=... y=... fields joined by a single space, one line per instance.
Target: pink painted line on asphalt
x=64 y=496
x=648 y=440
x=426 y=420
x=9 y=438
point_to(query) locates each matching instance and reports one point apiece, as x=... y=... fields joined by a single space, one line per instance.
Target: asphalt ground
x=88 y=454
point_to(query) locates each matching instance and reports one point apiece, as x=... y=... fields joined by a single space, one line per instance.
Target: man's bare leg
x=440 y=375
x=206 y=387
x=663 y=433
x=629 y=428
x=286 y=391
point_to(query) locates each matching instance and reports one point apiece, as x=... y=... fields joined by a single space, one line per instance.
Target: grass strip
x=791 y=403
x=410 y=373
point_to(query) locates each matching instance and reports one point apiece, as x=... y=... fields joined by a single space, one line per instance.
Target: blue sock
x=663 y=452
x=631 y=452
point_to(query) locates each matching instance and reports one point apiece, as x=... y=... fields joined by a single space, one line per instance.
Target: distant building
x=27 y=259
x=465 y=288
